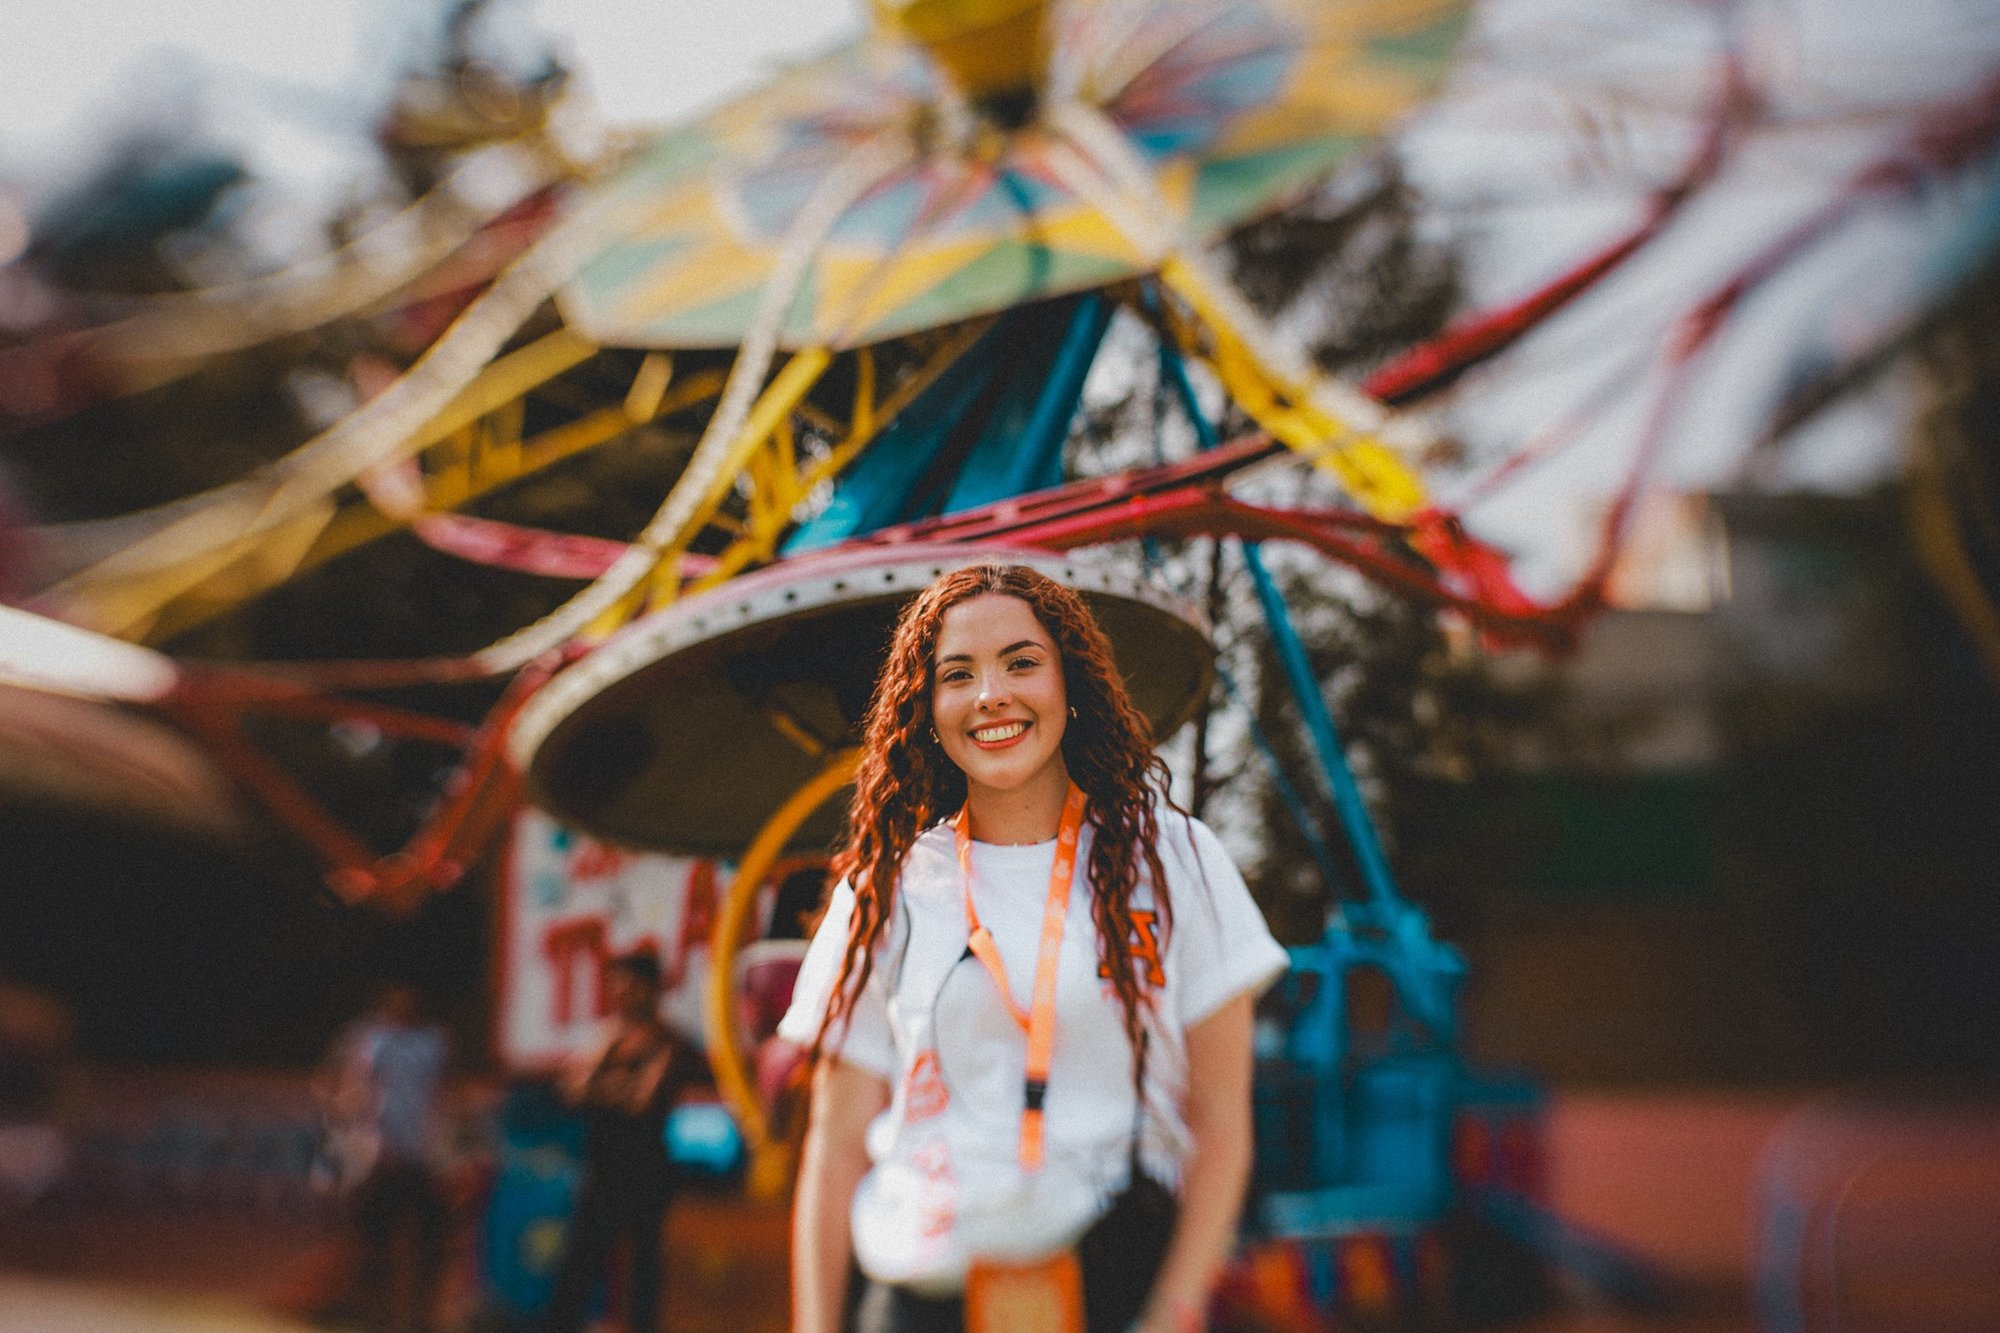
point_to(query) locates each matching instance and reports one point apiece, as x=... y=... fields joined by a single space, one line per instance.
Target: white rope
x=379 y=431
x=41 y=654
x=172 y=331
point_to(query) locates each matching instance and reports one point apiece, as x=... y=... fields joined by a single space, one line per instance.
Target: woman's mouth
x=999 y=736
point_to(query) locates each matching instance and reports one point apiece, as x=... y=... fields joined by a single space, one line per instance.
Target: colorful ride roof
x=1234 y=106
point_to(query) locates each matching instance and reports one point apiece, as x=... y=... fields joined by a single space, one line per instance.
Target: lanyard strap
x=1039 y=1022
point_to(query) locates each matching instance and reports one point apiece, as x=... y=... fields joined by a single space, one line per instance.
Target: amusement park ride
x=913 y=248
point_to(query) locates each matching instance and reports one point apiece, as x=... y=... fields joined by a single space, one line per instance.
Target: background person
x=381 y=1090
x=1000 y=744
x=37 y=1035
x=625 y=1082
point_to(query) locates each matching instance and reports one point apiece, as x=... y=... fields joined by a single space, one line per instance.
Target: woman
x=978 y=1112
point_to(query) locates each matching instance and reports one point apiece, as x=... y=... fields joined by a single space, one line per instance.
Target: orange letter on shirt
x=1145 y=949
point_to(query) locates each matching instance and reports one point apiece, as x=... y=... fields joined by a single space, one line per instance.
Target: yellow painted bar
x=649 y=386
x=1942 y=549
x=212 y=589
x=760 y=542
x=770 y=1164
x=866 y=427
x=773 y=405
x=507 y=379
x=137 y=609
x=630 y=605
x=863 y=422
x=1369 y=470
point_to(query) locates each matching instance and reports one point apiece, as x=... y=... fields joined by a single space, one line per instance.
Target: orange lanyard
x=1039 y=1022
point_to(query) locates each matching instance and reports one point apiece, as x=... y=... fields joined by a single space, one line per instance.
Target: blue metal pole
x=1346 y=793
x=1295 y=805
x=1319 y=725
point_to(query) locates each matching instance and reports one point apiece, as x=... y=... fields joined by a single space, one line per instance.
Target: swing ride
x=869 y=293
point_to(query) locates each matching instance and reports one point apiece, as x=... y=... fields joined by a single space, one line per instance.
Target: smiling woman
x=998 y=710
x=1029 y=999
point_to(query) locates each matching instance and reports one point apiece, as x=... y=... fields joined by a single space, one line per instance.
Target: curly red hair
x=906 y=783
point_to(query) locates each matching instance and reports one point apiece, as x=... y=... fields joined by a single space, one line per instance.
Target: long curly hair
x=906 y=783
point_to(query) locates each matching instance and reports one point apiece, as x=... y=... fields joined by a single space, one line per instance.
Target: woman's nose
x=992 y=690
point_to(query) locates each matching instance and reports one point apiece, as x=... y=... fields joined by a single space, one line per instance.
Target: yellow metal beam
x=784 y=482
x=458 y=470
x=473 y=447
x=773 y=408
x=649 y=386
x=508 y=379
x=770 y=1161
x=1368 y=469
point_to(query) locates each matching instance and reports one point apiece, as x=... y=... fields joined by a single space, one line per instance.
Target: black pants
x=402 y=1222
x=1120 y=1256
x=876 y=1307
x=1113 y=1295
x=610 y=1207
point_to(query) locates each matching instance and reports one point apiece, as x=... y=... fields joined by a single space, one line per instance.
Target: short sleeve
x=1221 y=945
x=865 y=1038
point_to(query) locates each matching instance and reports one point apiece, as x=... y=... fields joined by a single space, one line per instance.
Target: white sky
x=71 y=69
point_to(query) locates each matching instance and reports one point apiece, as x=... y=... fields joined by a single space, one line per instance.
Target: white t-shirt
x=945 y=1181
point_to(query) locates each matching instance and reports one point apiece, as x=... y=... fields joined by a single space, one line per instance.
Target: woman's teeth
x=988 y=735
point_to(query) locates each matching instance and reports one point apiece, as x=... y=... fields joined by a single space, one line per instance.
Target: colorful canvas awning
x=1234 y=107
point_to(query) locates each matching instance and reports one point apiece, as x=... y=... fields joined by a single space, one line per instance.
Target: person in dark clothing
x=625 y=1083
x=382 y=1092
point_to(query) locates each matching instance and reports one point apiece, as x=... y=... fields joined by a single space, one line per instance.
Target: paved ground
x=153 y=1272
x=1670 y=1177
x=50 y=1305
x=140 y=1270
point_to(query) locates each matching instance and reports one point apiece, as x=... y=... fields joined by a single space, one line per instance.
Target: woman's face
x=997 y=697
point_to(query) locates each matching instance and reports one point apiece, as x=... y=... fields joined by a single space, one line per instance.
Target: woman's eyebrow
x=1010 y=648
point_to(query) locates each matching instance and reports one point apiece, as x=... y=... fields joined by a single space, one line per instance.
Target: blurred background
x=1666 y=711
